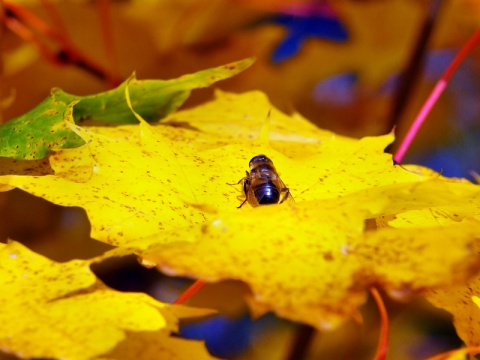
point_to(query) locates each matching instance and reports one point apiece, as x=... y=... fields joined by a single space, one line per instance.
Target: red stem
x=382 y=346
x=304 y=335
x=433 y=97
x=68 y=53
x=34 y=21
x=26 y=34
x=187 y=294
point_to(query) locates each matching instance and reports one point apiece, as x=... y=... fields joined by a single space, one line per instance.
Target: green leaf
x=33 y=135
x=152 y=99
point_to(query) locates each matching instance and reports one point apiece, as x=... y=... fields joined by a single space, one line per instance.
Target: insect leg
x=244 y=201
x=242 y=179
x=246 y=186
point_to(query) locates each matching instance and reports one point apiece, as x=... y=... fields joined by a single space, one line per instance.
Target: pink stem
x=433 y=97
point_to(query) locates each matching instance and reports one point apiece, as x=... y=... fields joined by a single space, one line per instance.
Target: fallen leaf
x=155 y=178
x=61 y=310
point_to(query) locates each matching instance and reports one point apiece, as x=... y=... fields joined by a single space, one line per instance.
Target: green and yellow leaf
x=43 y=129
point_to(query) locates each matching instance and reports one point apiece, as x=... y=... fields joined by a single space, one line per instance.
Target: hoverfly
x=263 y=186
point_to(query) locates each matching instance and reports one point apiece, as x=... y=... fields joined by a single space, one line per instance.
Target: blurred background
x=356 y=67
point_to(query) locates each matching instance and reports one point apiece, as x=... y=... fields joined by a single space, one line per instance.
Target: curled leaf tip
x=129 y=102
x=132 y=77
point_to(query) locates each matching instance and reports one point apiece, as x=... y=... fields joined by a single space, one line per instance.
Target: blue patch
x=224 y=337
x=301 y=28
x=336 y=90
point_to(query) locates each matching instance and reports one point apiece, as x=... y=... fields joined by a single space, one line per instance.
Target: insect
x=263 y=186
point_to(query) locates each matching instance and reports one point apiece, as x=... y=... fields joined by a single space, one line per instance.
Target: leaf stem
x=187 y=294
x=433 y=97
x=382 y=346
x=26 y=34
x=22 y=21
x=301 y=343
x=410 y=75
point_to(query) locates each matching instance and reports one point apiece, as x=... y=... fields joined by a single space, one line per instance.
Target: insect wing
x=284 y=189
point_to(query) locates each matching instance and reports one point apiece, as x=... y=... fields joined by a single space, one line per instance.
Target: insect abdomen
x=266 y=193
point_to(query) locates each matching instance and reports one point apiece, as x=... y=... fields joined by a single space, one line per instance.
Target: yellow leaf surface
x=128 y=189
x=445 y=207
x=157 y=345
x=312 y=261
x=9 y=166
x=314 y=163
x=61 y=310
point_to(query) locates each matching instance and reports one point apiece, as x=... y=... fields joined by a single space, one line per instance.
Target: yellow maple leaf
x=308 y=260
x=147 y=177
x=61 y=310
